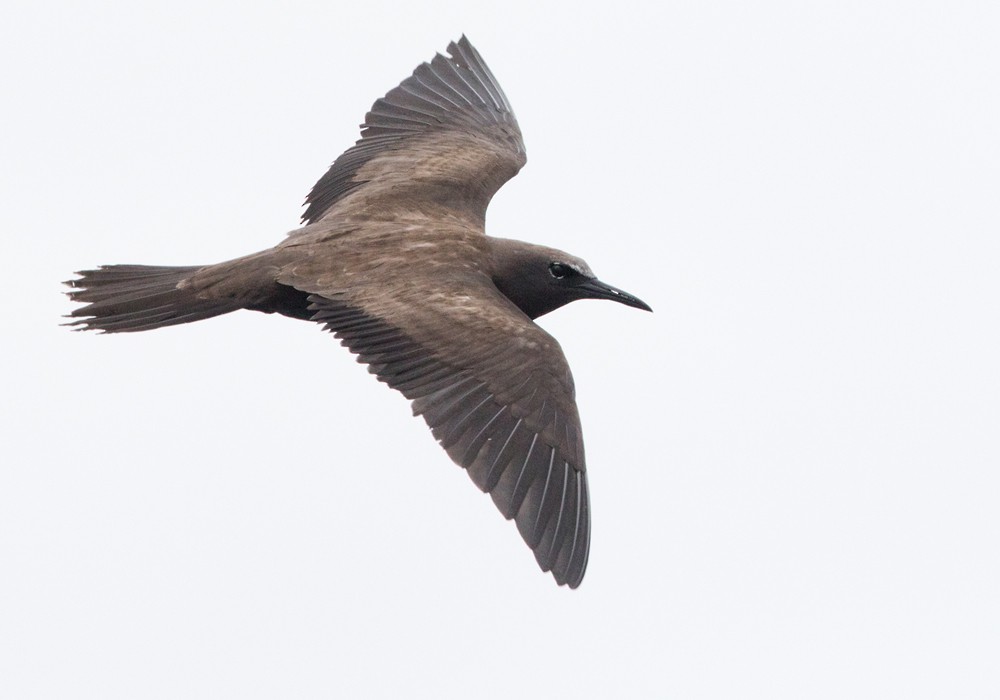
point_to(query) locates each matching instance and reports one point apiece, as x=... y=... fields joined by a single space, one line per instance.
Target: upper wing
x=497 y=393
x=445 y=135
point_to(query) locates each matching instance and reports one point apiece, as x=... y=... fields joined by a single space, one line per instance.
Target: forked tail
x=126 y=298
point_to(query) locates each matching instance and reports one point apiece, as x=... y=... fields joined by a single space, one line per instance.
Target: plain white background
x=794 y=460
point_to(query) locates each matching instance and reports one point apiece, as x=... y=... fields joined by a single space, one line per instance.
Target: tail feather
x=127 y=298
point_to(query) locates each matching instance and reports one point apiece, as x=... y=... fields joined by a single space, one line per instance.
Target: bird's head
x=540 y=279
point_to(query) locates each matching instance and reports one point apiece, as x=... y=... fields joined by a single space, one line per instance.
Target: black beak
x=595 y=289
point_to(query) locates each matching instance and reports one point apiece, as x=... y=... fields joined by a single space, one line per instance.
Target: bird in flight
x=394 y=260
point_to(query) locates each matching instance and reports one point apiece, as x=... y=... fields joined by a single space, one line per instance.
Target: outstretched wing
x=446 y=135
x=498 y=395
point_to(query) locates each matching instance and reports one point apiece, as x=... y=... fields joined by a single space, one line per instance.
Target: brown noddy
x=394 y=260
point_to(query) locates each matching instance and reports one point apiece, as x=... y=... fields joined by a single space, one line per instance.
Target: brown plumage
x=394 y=261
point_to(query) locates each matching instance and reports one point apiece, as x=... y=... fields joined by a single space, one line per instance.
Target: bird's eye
x=560 y=271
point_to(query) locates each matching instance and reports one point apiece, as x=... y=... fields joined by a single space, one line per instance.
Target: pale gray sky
x=793 y=462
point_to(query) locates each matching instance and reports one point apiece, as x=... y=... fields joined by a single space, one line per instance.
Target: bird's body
x=395 y=261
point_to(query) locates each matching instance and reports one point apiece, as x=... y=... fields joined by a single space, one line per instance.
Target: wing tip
x=564 y=551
